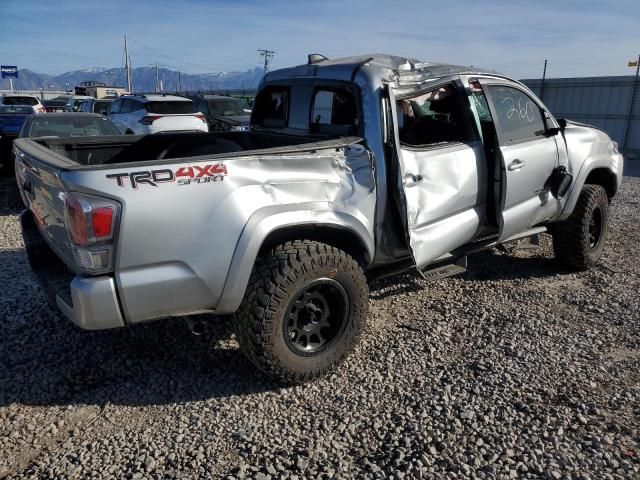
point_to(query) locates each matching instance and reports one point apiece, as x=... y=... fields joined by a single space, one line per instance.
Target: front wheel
x=304 y=310
x=578 y=241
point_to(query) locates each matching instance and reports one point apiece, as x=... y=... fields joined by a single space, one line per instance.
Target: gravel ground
x=516 y=369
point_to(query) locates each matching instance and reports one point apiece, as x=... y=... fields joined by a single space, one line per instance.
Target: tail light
x=91 y=224
x=201 y=117
x=149 y=119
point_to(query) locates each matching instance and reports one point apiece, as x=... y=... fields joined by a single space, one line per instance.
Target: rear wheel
x=304 y=310
x=578 y=242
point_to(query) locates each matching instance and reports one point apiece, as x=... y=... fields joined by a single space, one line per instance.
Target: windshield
x=171 y=108
x=20 y=101
x=227 y=107
x=71 y=126
x=101 y=107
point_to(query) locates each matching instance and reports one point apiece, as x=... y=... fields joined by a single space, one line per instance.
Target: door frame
x=475 y=144
x=488 y=81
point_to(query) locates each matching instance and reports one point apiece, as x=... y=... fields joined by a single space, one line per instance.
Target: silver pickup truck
x=352 y=169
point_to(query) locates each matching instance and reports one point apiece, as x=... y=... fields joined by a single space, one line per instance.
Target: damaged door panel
x=443 y=174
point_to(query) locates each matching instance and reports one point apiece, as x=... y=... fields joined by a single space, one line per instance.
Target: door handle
x=515 y=165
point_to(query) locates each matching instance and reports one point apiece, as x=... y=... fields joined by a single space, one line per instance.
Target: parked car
x=378 y=165
x=12 y=99
x=72 y=102
x=95 y=106
x=223 y=113
x=12 y=117
x=55 y=105
x=73 y=124
x=145 y=114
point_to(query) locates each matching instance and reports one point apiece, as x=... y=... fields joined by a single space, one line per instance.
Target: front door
x=528 y=157
x=442 y=173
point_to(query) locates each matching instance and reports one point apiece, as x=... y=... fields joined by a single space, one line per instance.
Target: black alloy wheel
x=595 y=227
x=316 y=316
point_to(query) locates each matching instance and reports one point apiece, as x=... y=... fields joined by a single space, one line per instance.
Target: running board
x=443 y=271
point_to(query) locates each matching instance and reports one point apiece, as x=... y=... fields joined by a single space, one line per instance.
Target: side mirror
x=550 y=132
x=562 y=122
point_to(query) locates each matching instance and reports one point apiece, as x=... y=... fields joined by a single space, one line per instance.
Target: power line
x=182 y=61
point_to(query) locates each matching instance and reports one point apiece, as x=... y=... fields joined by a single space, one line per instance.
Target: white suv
x=145 y=114
x=16 y=99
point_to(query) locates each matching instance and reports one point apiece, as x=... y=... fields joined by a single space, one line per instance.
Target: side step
x=443 y=271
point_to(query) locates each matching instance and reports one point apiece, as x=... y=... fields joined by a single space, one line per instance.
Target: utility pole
x=634 y=88
x=268 y=56
x=179 y=81
x=157 y=78
x=127 y=60
x=544 y=76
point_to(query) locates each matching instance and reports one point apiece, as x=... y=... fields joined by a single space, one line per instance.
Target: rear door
x=442 y=173
x=528 y=156
x=115 y=115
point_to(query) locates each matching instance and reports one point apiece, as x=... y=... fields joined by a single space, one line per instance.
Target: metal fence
x=609 y=103
x=41 y=94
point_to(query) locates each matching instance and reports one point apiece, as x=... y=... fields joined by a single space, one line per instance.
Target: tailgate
x=44 y=194
x=178 y=122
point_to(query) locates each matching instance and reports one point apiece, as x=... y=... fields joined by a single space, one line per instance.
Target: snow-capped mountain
x=144 y=79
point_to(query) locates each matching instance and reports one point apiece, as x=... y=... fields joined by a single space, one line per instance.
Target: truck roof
x=378 y=65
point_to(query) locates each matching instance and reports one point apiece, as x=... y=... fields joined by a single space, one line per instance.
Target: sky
x=578 y=38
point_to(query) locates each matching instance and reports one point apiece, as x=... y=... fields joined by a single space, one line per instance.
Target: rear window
x=20 y=101
x=272 y=107
x=334 y=111
x=228 y=107
x=101 y=107
x=171 y=108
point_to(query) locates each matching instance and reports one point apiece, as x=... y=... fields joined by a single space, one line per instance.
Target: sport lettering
x=209 y=173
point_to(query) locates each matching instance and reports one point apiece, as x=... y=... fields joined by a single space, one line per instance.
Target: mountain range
x=144 y=79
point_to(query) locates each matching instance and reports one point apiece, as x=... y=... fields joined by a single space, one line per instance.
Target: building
x=99 y=90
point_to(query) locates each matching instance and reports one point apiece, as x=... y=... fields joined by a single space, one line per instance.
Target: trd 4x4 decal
x=212 y=172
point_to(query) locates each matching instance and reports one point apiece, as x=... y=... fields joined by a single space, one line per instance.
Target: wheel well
x=342 y=238
x=605 y=178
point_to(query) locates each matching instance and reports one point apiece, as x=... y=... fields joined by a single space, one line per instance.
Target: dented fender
x=271 y=219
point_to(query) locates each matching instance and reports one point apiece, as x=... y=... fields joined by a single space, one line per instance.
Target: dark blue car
x=12 y=117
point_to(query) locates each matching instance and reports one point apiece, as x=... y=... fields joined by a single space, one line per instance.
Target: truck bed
x=71 y=153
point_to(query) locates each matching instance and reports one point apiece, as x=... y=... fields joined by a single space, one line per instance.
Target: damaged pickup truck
x=353 y=169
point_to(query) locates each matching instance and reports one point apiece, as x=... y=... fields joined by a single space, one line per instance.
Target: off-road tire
x=571 y=238
x=277 y=279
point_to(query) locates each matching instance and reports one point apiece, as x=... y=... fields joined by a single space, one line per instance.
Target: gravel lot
x=516 y=369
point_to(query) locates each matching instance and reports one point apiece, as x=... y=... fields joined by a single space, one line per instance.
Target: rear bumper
x=94 y=304
x=89 y=302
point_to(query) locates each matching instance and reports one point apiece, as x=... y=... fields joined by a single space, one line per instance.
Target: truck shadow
x=483 y=266
x=46 y=360
x=143 y=365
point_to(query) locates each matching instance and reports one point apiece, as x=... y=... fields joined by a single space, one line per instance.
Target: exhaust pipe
x=196 y=326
